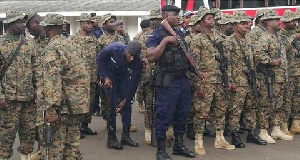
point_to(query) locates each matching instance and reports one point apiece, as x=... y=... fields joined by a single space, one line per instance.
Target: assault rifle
x=182 y=45
x=47 y=135
x=223 y=61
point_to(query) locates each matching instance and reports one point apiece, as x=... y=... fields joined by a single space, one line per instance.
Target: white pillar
x=139 y=21
x=178 y=3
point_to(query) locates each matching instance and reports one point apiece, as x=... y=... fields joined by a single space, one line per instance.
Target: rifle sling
x=13 y=57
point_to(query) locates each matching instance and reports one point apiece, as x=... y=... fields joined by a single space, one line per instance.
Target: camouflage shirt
x=138 y=36
x=17 y=83
x=89 y=49
x=292 y=52
x=204 y=52
x=146 y=71
x=254 y=35
x=65 y=75
x=266 y=50
x=188 y=39
x=108 y=38
x=237 y=65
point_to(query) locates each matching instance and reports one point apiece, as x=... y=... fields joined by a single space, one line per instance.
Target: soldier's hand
x=107 y=82
x=297 y=35
x=53 y=118
x=171 y=39
x=3 y=104
x=121 y=106
x=277 y=62
x=202 y=76
x=201 y=93
x=232 y=87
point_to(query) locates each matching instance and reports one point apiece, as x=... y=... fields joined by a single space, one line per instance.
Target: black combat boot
x=81 y=135
x=86 y=129
x=236 y=140
x=112 y=141
x=226 y=131
x=126 y=140
x=254 y=138
x=190 y=134
x=180 y=149
x=161 y=153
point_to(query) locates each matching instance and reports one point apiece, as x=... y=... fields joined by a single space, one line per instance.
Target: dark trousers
x=172 y=106
x=96 y=107
x=118 y=93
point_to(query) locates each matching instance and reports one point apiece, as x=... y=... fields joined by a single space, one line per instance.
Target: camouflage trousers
x=203 y=107
x=190 y=121
x=149 y=105
x=139 y=94
x=19 y=117
x=271 y=110
x=242 y=100
x=104 y=104
x=87 y=117
x=65 y=140
x=292 y=99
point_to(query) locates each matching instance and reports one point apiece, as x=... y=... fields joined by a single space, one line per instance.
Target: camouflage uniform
x=65 y=77
x=103 y=41
x=89 y=49
x=18 y=91
x=292 y=93
x=265 y=51
x=204 y=52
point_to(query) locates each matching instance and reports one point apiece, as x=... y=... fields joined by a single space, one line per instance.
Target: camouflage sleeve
x=261 y=52
x=53 y=69
x=195 y=48
x=228 y=47
x=2 y=62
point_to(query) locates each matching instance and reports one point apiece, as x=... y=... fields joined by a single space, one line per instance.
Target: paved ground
x=94 y=147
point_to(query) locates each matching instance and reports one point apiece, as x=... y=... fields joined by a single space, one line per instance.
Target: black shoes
x=161 y=153
x=180 y=149
x=254 y=138
x=86 y=130
x=126 y=140
x=236 y=140
x=112 y=141
x=190 y=133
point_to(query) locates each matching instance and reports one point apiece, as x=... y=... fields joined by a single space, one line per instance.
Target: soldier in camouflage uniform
x=65 y=88
x=18 y=112
x=195 y=29
x=235 y=46
x=89 y=47
x=226 y=24
x=39 y=42
x=119 y=27
x=271 y=63
x=145 y=26
x=204 y=51
x=292 y=93
x=155 y=19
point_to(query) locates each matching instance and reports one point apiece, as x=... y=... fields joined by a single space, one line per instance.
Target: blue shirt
x=112 y=63
x=97 y=32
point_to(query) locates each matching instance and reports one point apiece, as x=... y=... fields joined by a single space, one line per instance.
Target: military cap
x=119 y=22
x=217 y=13
x=202 y=11
x=106 y=17
x=53 y=20
x=188 y=13
x=170 y=8
x=272 y=14
x=288 y=16
x=30 y=14
x=260 y=13
x=134 y=47
x=155 y=13
x=240 y=16
x=84 y=17
x=12 y=16
x=225 y=19
x=194 y=20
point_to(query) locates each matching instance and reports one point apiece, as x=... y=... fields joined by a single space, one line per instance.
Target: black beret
x=145 y=23
x=170 y=8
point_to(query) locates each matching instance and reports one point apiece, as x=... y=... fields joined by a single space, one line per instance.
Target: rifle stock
x=188 y=56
